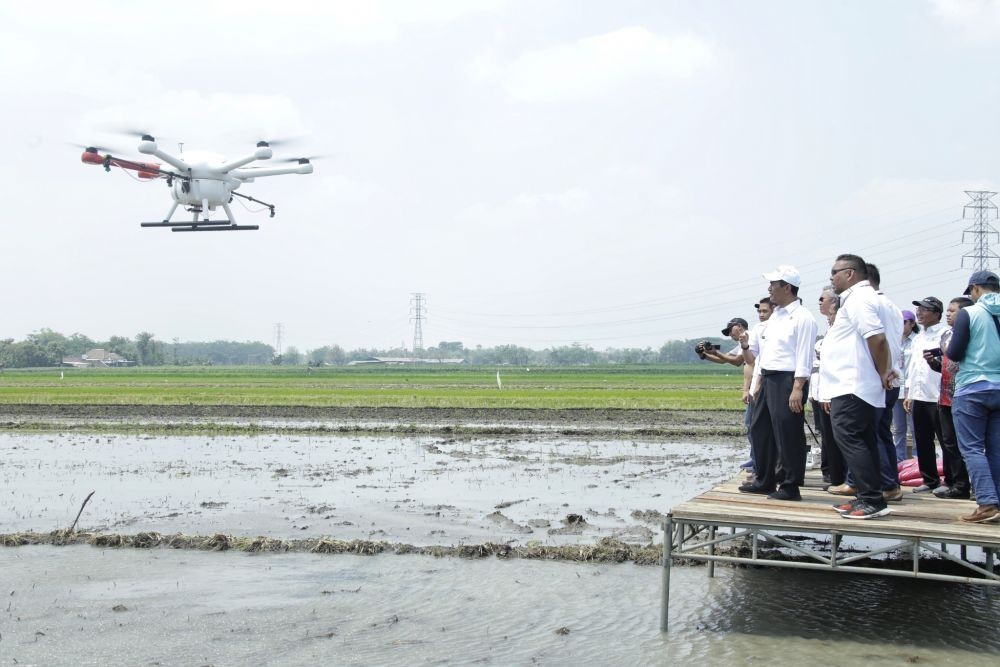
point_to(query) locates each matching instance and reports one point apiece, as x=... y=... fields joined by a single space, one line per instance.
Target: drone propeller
x=279 y=141
x=91 y=148
x=131 y=131
x=306 y=159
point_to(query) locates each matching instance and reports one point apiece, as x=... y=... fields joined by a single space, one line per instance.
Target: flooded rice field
x=83 y=605
x=421 y=490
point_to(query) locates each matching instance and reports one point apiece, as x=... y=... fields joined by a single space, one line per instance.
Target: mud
x=677 y=424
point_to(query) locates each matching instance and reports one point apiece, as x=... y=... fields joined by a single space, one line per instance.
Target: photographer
x=710 y=352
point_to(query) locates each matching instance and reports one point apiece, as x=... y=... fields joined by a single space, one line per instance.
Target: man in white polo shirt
x=783 y=357
x=855 y=373
x=923 y=389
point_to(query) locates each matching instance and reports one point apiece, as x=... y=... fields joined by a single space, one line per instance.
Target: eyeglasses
x=836 y=271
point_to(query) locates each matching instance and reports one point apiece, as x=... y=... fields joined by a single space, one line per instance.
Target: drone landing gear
x=198 y=225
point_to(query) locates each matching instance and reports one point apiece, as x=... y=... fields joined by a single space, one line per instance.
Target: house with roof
x=97 y=358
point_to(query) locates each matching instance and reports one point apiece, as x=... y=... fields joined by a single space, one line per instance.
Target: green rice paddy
x=634 y=387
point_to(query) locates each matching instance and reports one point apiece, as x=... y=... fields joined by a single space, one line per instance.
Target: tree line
x=48 y=348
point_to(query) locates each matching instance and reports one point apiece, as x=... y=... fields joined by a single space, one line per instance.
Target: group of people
x=876 y=374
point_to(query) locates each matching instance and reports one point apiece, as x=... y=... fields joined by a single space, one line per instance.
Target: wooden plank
x=918 y=515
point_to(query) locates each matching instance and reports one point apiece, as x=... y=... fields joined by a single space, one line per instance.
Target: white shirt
x=892 y=319
x=922 y=382
x=846 y=366
x=814 y=378
x=906 y=349
x=787 y=343
x=753 y=342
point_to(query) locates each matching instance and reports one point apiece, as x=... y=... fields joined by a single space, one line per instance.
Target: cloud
x=596 y=65
x=976 y=19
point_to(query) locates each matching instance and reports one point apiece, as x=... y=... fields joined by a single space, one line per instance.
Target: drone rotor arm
x=278 y=171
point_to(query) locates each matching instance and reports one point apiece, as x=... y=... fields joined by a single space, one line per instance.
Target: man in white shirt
x=764 y=309
x=856 y=368
x=783 y=363
x=923 y=389
x=892 y=319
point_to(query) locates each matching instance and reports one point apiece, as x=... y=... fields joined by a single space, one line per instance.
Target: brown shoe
x=893 y=495
x=983 y=514
x=842 y=490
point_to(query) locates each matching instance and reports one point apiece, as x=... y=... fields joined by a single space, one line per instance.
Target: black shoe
x=826 y=480
x=942 y=491
x=923 y=488
x=954 y=494
x=785 y=494
x=754 y=488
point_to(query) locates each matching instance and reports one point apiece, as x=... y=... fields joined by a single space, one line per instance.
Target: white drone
x=201 y=182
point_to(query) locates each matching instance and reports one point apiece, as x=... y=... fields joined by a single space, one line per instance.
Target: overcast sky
x=546 y=172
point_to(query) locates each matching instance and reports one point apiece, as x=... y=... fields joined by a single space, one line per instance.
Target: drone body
x=200 y=182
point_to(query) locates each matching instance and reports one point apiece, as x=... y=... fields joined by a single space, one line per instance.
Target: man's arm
x=878 y=346
x=960 y=334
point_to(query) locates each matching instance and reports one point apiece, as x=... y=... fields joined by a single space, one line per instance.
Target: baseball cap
x=908 y=315
x=931 y=303
x=785 y=272
x=982 y=278
x=733 y=322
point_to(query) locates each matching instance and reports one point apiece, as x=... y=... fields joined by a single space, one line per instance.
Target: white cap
x=785 y=272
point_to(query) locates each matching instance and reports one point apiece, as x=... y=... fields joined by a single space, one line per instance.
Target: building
x=97 y=358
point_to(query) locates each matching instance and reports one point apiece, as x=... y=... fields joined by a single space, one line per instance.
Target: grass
x=624 y=387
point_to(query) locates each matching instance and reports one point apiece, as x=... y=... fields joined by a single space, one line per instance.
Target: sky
x=544 y=171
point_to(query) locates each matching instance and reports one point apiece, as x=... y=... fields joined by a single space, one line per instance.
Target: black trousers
x=956 y=475
x=778 y=434
x=855 y=430
x=833 y=461
x=927 y=426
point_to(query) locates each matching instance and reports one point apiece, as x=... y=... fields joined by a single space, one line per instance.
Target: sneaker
x=942 y=491
x=747 y=465
x=954 y=494
x=866 y=511
x=893 y=495
x=848 y=506
x=785 y=494
x=842 y=490
x=982 y=514
x=923 y=488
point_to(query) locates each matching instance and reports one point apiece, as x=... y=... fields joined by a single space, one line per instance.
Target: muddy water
x=86 y=606
x=419 y=490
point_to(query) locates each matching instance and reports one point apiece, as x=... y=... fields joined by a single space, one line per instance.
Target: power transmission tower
x=417 y=315
x=983 y=209
x=277 y=338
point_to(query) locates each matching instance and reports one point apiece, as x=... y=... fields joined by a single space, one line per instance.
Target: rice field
x=636 y=387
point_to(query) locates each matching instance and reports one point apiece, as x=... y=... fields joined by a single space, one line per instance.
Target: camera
x=936 y=352
x=705 y=346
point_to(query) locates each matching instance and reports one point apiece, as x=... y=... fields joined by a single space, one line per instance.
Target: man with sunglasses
x=855 y=373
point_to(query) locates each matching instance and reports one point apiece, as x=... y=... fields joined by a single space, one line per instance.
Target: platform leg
x=711 y=552
x=171 y=214
x=668 y=537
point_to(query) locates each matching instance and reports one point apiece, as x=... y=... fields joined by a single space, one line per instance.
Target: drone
x=201 y=182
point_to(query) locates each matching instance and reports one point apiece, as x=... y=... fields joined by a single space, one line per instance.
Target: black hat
x=733 y=322
x=931 y=303
x=983 y=278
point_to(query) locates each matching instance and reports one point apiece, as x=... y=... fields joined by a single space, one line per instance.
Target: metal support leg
x=171 y=214
x=229 y=214
x=668 y=537
x=963 y=552
x=711 y=552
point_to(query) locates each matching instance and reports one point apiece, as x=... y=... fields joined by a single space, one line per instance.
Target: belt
x=766 y=372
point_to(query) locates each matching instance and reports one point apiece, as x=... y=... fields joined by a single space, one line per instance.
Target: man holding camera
x=784 y=359
x=709 y=352
x=923 y=389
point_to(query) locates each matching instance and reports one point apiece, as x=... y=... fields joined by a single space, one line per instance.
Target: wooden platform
x=922 y=533
x=919 y=515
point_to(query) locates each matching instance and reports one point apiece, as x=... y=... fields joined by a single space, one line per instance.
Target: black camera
x=705 y=346
x=936 y=352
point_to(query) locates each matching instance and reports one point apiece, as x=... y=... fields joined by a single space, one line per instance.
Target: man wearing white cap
x=784 y=360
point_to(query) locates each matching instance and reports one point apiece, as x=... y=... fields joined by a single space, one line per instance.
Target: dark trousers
x=833 y=461
x=956 y=475
x=888 y=466
x=778 y=434
x=926 y=426
x=854 y=427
